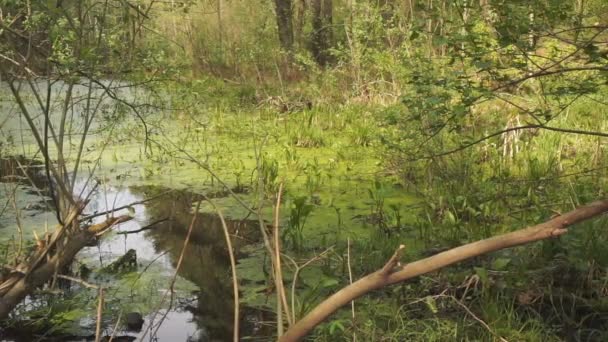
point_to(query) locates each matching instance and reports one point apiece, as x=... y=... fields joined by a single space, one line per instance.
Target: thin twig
x=115 y=326
x=147 y=227
x=294 y=281
x=350 y=279
x=484 y=324
x=268 y=244
x=78 y=281
x=86 y=218
x=174 y=278
x=518 y=128
x=393 y=261
x=146 y=269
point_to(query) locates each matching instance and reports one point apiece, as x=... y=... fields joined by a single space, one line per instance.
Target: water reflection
x=206 y=262
x=24 y=171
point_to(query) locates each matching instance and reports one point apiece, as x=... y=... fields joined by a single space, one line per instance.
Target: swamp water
x=341 y=191
x=202 y=303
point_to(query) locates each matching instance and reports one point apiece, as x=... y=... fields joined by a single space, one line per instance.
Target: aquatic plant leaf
x=500 y=263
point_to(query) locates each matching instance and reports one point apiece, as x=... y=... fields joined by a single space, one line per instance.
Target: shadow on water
x=206 y=261
x=209 y=308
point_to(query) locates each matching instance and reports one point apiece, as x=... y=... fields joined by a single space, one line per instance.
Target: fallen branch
x=381 y=278
x=150 y=226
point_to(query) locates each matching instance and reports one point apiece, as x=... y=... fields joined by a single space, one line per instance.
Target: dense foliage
x=430 y=123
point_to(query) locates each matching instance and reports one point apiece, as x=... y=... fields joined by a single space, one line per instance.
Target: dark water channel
x=207 y=310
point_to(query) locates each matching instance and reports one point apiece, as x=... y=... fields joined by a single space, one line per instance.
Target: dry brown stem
x=99 y=316
x=282 y=297
x=235 y=280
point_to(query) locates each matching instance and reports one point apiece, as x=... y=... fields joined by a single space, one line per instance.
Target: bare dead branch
x=46 y=262
x=88 y=217
x=146 y=227
x=552 y=228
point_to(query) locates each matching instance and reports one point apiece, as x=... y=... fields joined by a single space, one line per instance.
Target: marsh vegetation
x=220 y=169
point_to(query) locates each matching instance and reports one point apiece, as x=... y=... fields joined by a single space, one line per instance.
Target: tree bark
x=390 y=274
x=284 y=14
x=299 y=20
x=322 y=35
x=20 y=284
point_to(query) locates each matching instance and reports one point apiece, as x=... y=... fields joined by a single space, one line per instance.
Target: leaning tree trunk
x=284 y=13
x=322 y=30
x=54 y=253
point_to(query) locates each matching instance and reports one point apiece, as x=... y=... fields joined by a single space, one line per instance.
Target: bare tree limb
x=552 y=228
x=88 y=217
x=146 y=227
